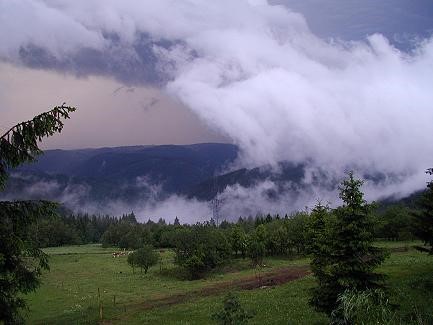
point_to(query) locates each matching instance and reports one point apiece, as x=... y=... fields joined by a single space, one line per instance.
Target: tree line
x=284 y=234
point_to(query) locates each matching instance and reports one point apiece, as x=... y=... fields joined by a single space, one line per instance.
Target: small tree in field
x=143 y=258
x=424 y=217
x=344 y=257
x=238 y=240
x=257 y=245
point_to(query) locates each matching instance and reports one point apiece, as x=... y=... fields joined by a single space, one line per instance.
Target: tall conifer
x=344 y=257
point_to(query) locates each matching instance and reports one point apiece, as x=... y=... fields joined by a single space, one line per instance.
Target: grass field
x=69 y=293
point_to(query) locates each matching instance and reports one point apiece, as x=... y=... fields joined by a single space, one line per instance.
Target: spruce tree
x=343 y=255
x=21 y=261
x=319 y=244
x=423 y=217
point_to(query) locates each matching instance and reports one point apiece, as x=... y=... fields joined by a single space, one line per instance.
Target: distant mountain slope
x=135 y=175
x=176 y=168
x=247 y=178
x=125 y=174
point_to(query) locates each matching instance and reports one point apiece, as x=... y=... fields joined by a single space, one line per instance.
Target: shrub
x=363 y=307
x=232 y=313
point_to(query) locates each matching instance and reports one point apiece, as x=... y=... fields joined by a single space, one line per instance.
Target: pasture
x=277 y=293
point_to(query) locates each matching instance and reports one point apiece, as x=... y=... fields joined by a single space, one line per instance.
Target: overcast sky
x=141 y=112
x=337 y=83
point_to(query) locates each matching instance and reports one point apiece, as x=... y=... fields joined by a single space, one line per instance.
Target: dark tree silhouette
x=424 y=217
x=21 y=262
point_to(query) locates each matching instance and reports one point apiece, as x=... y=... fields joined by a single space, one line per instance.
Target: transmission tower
x=215 y=203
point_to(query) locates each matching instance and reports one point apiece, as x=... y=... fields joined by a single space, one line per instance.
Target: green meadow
x=86 y=282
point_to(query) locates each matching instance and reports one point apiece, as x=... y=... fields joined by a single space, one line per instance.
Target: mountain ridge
x=137 y=174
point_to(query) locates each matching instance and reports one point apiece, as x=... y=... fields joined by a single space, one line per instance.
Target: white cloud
x=283 y=94
x=256 y=73
x=27 y=22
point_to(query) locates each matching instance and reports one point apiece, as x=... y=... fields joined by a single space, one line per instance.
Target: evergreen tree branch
x=20 y=143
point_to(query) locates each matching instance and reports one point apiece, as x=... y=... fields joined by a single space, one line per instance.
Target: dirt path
x=259 y=280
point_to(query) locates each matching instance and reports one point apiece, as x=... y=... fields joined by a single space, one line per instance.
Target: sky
x=130 y=115
x=142 y=112
x=338 y=84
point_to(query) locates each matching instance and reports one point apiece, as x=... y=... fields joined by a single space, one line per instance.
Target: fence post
x=100 y=305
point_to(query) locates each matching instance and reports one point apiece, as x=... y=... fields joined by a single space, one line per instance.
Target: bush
x=232 y=313
x=363 y=307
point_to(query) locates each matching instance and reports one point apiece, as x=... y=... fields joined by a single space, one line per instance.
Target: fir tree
x=343 y=255
x=21 y=262
x=423 y=217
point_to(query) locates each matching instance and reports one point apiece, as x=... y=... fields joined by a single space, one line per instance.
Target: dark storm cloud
x=109 y=39
x=137 y=64
x=104 y=51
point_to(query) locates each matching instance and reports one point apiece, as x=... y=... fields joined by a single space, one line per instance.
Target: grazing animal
x=121 y=253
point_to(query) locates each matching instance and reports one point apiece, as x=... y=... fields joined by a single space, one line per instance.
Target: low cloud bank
x=263 y=197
